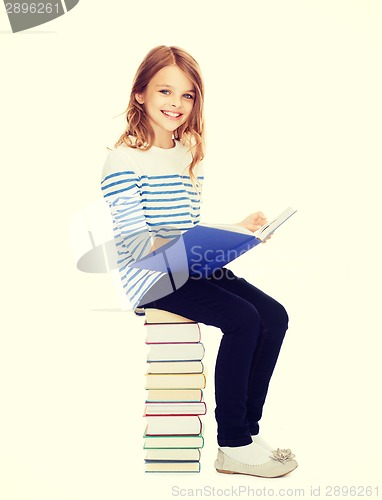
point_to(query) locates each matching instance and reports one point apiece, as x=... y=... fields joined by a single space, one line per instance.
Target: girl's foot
x=264 y=444
x=260 y=463
x=251 y=454
x=261 y=442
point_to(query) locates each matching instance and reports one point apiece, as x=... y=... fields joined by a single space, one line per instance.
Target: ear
x=139 y=98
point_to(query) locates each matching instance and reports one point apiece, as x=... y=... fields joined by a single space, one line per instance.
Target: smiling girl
x=152 y=183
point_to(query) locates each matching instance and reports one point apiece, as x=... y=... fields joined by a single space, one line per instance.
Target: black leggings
x=253 y=326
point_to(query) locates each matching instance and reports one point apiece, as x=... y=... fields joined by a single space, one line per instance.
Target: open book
x=262 y=233
x=205 y=247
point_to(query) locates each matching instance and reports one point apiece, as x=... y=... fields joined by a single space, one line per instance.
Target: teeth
x=175 y=115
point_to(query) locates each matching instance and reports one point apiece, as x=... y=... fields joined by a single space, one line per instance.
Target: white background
x=293 y=116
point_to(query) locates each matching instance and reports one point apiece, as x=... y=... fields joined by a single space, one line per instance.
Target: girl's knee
x=277 y=321
x=243 y=319
x=282 y=318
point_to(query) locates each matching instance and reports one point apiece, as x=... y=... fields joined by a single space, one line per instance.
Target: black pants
x=253 y=326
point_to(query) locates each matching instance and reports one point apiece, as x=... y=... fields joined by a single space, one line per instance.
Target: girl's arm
x=121 y=192
x=158 y=242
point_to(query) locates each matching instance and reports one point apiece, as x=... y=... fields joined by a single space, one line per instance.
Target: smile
x=172 y=116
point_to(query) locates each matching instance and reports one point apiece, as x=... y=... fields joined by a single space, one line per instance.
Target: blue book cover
x=204 y=248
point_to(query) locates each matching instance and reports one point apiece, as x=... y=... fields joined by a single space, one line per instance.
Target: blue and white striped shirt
x=150 y=195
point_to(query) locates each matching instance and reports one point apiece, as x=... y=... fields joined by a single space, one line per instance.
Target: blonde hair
x=190 y=133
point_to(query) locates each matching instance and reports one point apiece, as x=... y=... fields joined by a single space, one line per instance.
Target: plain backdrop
x=293 y=117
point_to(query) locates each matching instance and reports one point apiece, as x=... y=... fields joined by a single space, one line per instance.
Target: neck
x=163 y=139
x=168 y=144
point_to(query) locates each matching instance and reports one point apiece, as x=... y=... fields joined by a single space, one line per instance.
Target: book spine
x=157 y=367
x=175 y=339
x=183 y=431
x=175 y=381
x=175 y=396
x=150 y=409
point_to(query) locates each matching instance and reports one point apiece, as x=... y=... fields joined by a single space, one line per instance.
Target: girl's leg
x=274 y=323
x=204 y=301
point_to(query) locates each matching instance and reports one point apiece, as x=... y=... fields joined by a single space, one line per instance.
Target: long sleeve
x=120 y=187
x=131 y=232
x=150 y=196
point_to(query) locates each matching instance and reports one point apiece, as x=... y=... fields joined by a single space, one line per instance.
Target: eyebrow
x=170 y=87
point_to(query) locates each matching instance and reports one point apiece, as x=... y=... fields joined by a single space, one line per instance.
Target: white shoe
x=281 y=462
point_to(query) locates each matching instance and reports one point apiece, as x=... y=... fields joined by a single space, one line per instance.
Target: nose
x=175 y=102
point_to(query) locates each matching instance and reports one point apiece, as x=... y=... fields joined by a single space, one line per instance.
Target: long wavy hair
x=191 y=133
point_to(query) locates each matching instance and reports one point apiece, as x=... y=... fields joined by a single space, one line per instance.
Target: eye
x=164 y=91
x=188 y=96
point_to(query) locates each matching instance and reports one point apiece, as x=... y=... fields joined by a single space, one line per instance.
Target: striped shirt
x=150 y=195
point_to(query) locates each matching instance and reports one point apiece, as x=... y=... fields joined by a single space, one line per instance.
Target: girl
x=152 y=182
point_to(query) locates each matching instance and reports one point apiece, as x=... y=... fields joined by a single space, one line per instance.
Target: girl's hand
x=254 y=221
x=158 y=242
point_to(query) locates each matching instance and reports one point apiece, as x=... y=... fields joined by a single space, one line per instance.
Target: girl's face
x=168 y=99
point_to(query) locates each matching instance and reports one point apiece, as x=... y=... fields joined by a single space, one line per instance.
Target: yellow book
x=153 y=315
x=175 y=381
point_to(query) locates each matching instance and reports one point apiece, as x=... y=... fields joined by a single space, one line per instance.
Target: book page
x=229 y=227
x=271 y=227
x=261 y=233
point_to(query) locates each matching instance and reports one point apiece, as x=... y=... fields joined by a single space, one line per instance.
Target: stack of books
x=175 y=380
